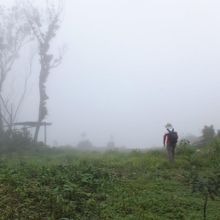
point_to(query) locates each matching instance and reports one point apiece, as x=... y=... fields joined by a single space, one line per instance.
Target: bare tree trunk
x=40 y=118
x=1 y=114
x=1 y=122
x=36 y=132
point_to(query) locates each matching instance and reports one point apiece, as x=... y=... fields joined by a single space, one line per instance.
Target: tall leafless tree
x=44 y=25
x=11 y=108
x=14 y=31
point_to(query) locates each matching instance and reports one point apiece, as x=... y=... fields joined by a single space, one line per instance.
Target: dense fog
x=128 y=68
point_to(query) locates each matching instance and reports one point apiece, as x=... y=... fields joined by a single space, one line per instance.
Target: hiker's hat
x=169 y=126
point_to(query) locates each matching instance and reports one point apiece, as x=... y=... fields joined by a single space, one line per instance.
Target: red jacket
x=166 y=139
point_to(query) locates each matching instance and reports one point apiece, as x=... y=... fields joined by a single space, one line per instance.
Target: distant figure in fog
x=169 y=141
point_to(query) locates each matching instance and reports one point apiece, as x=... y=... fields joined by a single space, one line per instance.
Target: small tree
x=208 y=133
x=208 y=187
x=111 y=143
x=218 y=134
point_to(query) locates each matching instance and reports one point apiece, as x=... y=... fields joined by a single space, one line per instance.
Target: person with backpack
x=169 y=141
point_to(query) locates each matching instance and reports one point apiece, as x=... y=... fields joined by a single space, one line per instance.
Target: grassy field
x=69 y=184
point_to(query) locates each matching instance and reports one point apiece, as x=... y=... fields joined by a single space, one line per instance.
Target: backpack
x=172 y=137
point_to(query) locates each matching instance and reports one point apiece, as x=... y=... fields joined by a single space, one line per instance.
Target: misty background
x=129 y=68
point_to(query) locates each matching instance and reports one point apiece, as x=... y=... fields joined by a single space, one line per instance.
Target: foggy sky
x=130 y=67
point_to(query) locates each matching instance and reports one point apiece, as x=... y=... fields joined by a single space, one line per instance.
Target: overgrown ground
x=68 y=184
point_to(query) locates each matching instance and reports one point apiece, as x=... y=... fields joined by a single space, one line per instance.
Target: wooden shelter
x=33 y=124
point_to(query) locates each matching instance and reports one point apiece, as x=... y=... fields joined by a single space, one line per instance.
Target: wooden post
x=11 y=119
x=45 y=133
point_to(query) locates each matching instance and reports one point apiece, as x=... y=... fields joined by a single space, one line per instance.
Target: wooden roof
x=32 y=123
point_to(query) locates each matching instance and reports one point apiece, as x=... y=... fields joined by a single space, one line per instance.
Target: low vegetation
x=69 y=184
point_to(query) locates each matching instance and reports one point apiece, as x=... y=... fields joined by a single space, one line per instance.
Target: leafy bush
x=15 y=140
x=185 y=149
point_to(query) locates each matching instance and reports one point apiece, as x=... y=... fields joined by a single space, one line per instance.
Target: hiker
x=169 y=141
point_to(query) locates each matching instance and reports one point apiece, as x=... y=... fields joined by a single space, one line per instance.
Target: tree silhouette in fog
x=208 y=133
x=14 y=33
x=44 y=26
